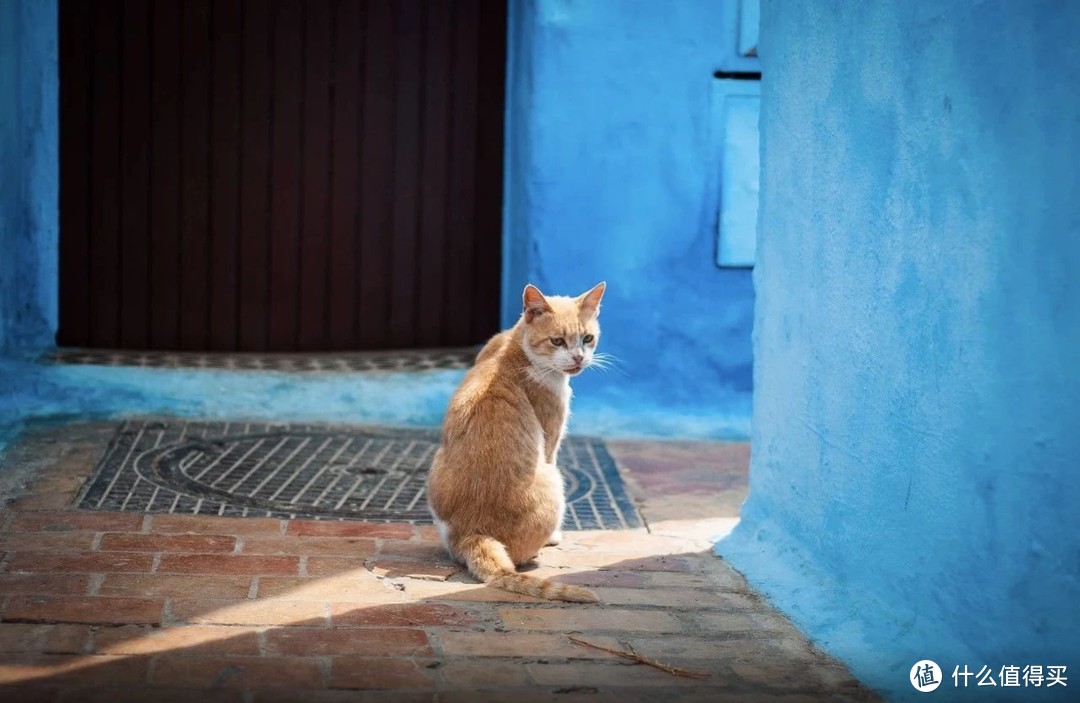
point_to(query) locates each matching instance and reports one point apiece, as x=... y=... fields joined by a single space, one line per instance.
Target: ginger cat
x=494 y=489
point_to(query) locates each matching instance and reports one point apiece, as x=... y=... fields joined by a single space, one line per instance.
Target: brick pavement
x=130 y=607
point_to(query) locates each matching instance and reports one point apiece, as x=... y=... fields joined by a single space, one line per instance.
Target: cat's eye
x=558 y=341
x=588 y=339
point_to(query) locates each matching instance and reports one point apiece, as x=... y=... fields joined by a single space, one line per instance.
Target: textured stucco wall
x=612 y=173
x=28 y=173
x=914 y=483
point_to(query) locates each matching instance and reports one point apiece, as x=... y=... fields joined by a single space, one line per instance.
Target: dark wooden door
x=278 y=175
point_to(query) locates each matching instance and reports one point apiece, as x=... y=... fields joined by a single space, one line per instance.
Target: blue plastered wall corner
x=29 y=217
x=11 y=191
x=913 y=482
x=28 y=174
x=611 y=174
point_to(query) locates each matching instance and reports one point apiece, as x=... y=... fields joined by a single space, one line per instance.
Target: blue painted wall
x=612 y=173
x=28 y=173
x=914 y=485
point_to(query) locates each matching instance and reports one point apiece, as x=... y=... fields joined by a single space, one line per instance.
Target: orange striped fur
x=494 y=489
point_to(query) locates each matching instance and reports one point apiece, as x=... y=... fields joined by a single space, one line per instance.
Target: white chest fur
x=557 y=383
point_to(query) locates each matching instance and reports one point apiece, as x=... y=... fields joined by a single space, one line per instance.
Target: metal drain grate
x=313 y=471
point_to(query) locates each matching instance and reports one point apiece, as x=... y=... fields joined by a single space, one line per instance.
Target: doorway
x=253 y=175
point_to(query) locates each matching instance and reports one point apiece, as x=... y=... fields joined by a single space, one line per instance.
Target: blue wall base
x=878 y=641
x=29 y=390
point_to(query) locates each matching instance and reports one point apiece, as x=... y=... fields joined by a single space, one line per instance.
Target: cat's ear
x=590 y=302
x=533 y=303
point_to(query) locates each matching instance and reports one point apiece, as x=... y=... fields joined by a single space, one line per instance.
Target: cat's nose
x=577 y=358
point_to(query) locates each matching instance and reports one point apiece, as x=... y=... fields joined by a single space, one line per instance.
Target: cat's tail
x=488 y=561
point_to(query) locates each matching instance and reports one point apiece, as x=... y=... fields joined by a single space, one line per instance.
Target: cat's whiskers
x=608 y=362
x=606 y=358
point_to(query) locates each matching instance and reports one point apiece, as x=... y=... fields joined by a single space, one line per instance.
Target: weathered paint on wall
x=28 y=173
x=612 y=173
x=913 y=485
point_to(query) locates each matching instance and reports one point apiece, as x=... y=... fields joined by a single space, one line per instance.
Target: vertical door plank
x=75 y=41
x=457 y=327
x=487 y=251
x=286 y=174
x=135 y=162
x=164 y=231
x=409 y=79
x=377 y=176
x=105 y=186
x=344 y=187
x=435 y=174
x=256 y=83
x=225 y=140
x=195 y=174
x=315 y=203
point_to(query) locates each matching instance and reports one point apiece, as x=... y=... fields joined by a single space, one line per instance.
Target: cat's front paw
x=555 y=539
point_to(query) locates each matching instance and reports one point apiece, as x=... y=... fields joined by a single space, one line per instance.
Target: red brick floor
x=130 y=607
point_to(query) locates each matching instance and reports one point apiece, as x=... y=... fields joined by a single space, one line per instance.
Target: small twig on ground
x=633 y=655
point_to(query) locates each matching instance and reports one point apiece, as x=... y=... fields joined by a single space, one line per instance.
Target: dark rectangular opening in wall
x=276 y=175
